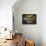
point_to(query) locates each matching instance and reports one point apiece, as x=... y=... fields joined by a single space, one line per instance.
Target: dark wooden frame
x=29 y=18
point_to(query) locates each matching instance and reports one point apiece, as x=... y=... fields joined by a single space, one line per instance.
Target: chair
x=18 y=39
x=29 y=43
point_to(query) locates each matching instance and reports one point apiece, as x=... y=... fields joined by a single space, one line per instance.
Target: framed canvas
x=28 y=18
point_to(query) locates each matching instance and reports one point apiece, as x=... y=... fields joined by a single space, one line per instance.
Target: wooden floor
x=9 y=43
x=12 y=42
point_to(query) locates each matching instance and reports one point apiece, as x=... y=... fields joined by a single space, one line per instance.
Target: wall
x=32 y=32
x=43 y=22
x=6 y=13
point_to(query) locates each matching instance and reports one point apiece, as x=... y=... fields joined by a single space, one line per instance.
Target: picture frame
x=29 y=18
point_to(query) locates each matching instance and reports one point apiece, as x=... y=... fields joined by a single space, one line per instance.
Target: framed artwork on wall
x=28 y=18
